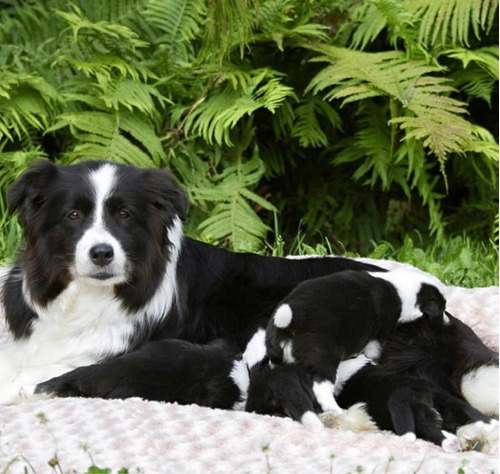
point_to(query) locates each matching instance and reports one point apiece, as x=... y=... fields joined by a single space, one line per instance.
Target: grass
x=460 y=261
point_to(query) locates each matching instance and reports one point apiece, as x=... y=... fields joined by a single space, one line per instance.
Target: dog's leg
x=323 y=391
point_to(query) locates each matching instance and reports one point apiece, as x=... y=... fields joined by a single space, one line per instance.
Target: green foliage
x=357 y=121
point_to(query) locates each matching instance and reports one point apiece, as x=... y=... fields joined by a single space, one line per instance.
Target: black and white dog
x=107 y=274
x=332 y=318
x=106 y=269
x=417 y=385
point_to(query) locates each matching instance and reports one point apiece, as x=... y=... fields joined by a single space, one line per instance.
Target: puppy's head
x=284 y=390
x=97 y=221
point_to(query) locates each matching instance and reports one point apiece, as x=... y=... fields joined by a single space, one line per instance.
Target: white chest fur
x=85 y=324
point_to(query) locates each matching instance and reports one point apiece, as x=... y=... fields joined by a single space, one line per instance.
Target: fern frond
x=430 y=114
x=450 y=21
x=307 y=128
x=220 y=113
x=101 y=135
x=25 y=101
x=178 y=20
x=233 y=218
x=132 y=95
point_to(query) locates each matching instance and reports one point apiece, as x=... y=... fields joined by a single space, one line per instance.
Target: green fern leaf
x=450 y=21
x=233 y=218
x=220 y=113
x=430 y=114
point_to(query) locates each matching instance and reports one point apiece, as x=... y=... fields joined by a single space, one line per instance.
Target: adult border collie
x=106 y=271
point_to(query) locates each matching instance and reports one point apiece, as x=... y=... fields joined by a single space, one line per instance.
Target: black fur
x=334 y=317
x=416 y=386
x=170 y=370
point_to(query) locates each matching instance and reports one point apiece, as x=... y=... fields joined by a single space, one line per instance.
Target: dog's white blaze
x=323 y=391
x=256 y=348
x=283 y=316
x=347 y=368
x=407 y=283
x=162 y=301
x=102 y=181
x=480 y=389
x=311 y=420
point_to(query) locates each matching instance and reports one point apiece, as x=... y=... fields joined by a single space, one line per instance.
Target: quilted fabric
x=153 y=437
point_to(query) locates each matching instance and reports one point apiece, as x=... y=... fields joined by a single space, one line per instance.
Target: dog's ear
x=166 y=193
x=431 y=302
x=432 y=309
x=29 y=191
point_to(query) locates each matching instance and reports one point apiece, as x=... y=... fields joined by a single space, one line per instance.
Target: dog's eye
x=123 y=214
x=74 y=215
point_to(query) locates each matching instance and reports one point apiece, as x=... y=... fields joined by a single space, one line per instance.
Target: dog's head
x=284 y=390
x=97 y=221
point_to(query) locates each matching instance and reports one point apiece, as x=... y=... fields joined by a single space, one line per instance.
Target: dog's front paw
x=66 y=385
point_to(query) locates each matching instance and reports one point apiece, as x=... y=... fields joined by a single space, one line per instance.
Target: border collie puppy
x=106 y=269
x=326 y=320
x=189 y=373
x=416 y=387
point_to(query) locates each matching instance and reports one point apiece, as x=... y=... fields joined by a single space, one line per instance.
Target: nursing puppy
x=326 y=320
x=418 y=388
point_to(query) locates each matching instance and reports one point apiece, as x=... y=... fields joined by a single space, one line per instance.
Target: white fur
x=408 y=283
x=323 y=391
x=478 y=436
x=347 y=368
x=480 y=389
x=372 y=350
x=81 y=326
x=450 y=444
x=256 y=348
x=410 y=437
x=164 y=297
x=311 y=420
x=102 y=182
x=240 y=376
x=283 y=316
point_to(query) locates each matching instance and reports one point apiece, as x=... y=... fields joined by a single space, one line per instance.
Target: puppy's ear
x=29 y=191
x=432 y=309
x=166 y=193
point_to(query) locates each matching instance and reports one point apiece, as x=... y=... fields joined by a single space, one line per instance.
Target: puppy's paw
x=450 y=444
x=355 y=418
x=411 y=437
x=478 y=436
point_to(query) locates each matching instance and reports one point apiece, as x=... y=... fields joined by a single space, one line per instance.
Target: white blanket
x=155 y=437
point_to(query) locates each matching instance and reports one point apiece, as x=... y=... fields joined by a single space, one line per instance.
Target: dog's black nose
x=101 y=254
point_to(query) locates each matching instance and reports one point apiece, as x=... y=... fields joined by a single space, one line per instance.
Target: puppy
x=410 y=406
x=326 y=320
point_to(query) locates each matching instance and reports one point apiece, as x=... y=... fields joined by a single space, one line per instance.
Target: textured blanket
x=70 y=435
